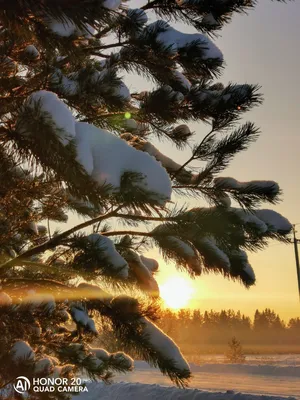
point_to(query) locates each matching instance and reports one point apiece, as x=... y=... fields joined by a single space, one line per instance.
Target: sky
x=262 y=48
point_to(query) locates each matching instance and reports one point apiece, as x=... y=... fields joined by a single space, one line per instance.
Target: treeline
x=216 y=328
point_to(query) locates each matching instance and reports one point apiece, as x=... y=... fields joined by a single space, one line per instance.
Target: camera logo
x=22 y=384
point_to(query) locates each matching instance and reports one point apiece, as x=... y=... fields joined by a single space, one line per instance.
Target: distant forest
x=210 y=329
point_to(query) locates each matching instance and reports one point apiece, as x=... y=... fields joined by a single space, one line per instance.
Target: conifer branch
x=56 y=240
x=144 y=218
x=150 y=4
x=194 y=155
x=121 y=233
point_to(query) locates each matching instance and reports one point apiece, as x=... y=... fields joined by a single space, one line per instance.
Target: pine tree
x=235 y=353
x=75 y=140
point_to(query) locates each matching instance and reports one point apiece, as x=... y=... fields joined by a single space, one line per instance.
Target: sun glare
x=176 y=292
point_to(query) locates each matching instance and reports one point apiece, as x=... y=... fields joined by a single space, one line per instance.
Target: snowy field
x=138 y=391
x=274 y=376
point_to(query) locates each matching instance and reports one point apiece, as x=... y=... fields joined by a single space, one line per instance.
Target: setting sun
x=176 y=292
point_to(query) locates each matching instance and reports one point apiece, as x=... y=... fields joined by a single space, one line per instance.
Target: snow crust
x=184 y=82
x=122 y=359
x=67 y=28
x=112 y=4
x=123 y=92
x=177 y=40
x=249 y=271
x=31 y=51
x=130 y=124
x=209 y=241
x=58 y=111
x=275 y=221
x=104 y=156
x=43 y=365
x=119 y=358
x=138 y=14
x=64 y=29
x=8 y=66
x=80 y=316
x=243 y=257
x=22 y=351
x=139 y=391
x=108 y=251
x=251 y=218
x=184 y=247
x=231 y=183
x=151 y=264
x=144 y=275
x=33 y=227
x=68 y=85
x=166 y=161
x=187 y=252
x=163 y=344
x=100 y=353
x=182 y=130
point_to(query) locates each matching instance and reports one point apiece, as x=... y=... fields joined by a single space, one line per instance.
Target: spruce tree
x=75 y=140
x=235 y=353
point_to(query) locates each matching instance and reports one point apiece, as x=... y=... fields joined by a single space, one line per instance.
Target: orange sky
x=261 y=48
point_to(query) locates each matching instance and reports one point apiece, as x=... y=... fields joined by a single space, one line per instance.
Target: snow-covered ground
x=257 y=359
x=262 y=377
x=138 y=391
x=257 y=379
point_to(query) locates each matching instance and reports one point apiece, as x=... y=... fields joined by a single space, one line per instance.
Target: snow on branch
x=112 y=4
x=176 y=40
x=170 y=165
x=259 y=186
x=143 y=274
x=264 y=220
x=150 y=263
x=167 y=350
x=251 y=218
x=186 y=251
x=241 y=268
x=56 y=112
x=67 y=28
x=274 y=221
x=103 y=155
x=109 y=253
x=80 y=317
x=212 y=254
x=182 y=81
x=21 y=351
x=107 y=157
x=102 y=84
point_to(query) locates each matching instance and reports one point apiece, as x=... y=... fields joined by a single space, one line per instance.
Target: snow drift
x=138 y=391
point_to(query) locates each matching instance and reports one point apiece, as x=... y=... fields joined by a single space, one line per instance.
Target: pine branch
x=120 y=233
x=194 y=155
x=56 y=240
x=151 y=4
x=144 y=218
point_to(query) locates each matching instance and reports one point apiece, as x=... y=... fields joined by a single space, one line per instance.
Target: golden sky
x=262 y=48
